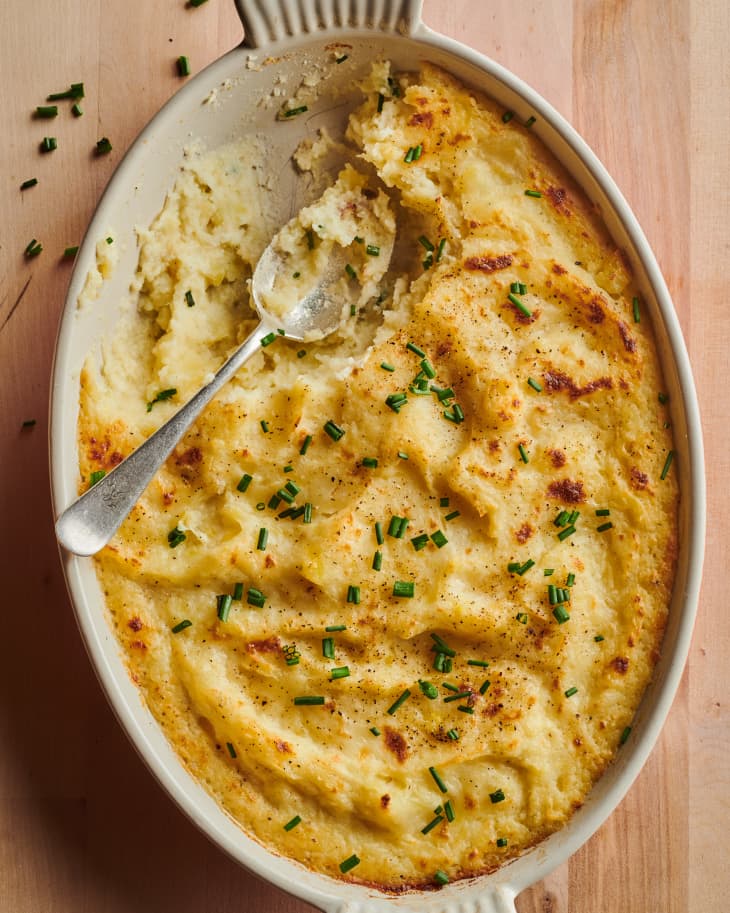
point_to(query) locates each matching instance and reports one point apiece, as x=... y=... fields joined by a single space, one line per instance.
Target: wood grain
x=83 y=827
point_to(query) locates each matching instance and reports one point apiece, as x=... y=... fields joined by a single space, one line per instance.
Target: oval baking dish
x=224 y=102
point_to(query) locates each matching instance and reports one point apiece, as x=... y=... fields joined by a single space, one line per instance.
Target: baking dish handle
x=500 y=899
x=268 y=21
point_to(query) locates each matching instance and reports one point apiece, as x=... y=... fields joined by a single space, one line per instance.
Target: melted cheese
x=593 y=437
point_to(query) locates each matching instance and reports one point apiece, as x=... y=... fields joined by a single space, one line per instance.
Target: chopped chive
x=439 y=662
x=336 y=628
x=564 y=533
x=223 y=606
x=444 y=502
x=380 y=538
x=428 y=369
x=292 y=487
x=428 y=689
x=533 y=193
x=497 y=796
x=440 y=877
x=424 y=242
x=262 y=539
x=381 y=100
x=76 y=91
x=402 y=455
x=370 y=462
x=573 y=516
x=562 y=518
x=237 y=592
x=349 y=269
x=484 y=687
x=598 y=638
x=175 y=537
x=456 y=697
x=438 y=780
x=244 y=482
x=328 y=647
x=396 y=401
x=103 y=146
x=183 y=66
x=293 y=112
x=522 y=617
x=397 y=527
x=571 y=691
x=189 y=299
x=561 y=615
x=268 y=339
x=373 y=250
x=637 y=313
x=49 y=143
x=440 y=249
x=161 y=396
x=341 y=59
x=283 y=495
x=432 y=824
x=290 y=825
x=603 y=512
x=333 y=430
x=624 y=735
x=522 y=288
x=412 y=347
x=667 y=464
x=386 y=366
x=501 y=841
x=519 y=305
x=663 y=398
x=404 y=589
x=399 y=702
x=377 y=561
x=181 y=625
x=448 y=810
x=307 y=515
x=534 y=384
x=44 y=112
x=274 y=502
x=465 y=708
x=374 y=730
x=548 y=572
x=231 y=750
x=255 y=598
x=477 y=662
x=260 y=506
x=530 y=121
x=439 y=539
x=353 y=595
x=309 y=700
x=305 y=445
x=449 y=686
x=31 y=182
x=553 y=594
x=507 y=116
x=110 y=240
x=349 y=863
x=420 y=542
x=76 y=109
x=94 y=477
x=340 y=672
x=33 y=249
x=301 y=353
x=288 y=468
x=604 y=527
x=523 y=569
x=453 y=735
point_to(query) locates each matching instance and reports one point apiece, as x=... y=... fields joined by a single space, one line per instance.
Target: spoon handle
x=88 y=524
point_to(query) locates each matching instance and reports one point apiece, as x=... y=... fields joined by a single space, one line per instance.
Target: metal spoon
x=89 y=523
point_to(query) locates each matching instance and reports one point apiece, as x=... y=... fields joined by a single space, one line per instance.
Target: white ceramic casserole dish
x=224 y=102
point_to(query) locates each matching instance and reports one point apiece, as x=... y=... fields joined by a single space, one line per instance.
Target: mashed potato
x=396 y=596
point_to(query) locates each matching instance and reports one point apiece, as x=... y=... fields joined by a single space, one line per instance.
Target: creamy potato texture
x=424 y=564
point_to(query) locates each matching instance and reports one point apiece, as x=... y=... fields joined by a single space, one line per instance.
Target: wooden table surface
x=83 y=826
